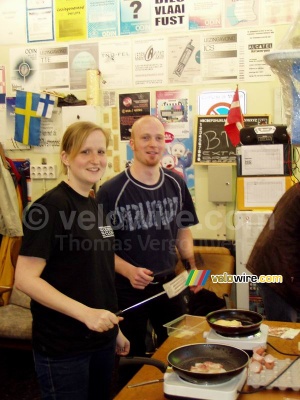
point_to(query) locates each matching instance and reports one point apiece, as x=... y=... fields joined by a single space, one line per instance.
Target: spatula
x=172 y=289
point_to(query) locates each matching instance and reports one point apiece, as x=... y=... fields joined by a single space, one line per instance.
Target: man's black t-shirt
x=146 y=219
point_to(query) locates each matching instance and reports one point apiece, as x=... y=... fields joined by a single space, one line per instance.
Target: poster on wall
x=51 y=133
x=132 y=106
x=102 y=18
x=205 y=14
x=115 y=63
x=278 y=12
x=170 y=15
x=178 y=157
x=54 y=67
x=241 y=13
x=12 y=22
x=149 y=62
x=220 y=56
x=39 y=20
x=257 y=43
x=219 y=102
x=184 y=66
x=82 y=56
x=135 y=17
x=70 y=18
x=24 y=70
x=172 y=108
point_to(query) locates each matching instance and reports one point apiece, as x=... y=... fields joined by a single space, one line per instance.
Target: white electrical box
x=43 y=171
x=78 y=113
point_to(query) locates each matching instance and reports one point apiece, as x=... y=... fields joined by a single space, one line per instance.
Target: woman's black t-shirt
x=69 y=231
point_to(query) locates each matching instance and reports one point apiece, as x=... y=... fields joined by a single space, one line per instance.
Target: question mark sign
x=137 y=5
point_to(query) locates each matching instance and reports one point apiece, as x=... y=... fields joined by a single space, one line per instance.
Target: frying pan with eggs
x=234 y=322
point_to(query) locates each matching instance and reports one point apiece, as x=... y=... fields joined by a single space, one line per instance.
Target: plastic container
x=186 y=326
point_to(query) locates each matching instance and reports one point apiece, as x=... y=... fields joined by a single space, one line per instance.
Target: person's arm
x=185 y=247
x=138 y=277
x=28 y=280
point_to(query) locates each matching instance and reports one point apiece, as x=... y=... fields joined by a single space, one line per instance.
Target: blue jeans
x=87 y=376
x=276 y=308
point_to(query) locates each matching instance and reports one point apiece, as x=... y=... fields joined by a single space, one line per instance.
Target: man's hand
x=140 y=277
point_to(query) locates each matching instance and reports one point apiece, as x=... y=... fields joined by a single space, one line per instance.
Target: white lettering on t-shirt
x=146 y=215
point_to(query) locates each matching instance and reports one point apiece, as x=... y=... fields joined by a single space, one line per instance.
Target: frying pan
x=183 y=358
x=250 y=320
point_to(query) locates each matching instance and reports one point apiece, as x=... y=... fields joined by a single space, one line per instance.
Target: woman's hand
x=123 y=344
x=100 y=320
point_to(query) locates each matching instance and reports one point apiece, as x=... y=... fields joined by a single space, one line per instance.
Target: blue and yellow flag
x=27 y=123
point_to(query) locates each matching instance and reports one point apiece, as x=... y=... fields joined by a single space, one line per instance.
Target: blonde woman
x=66 y=266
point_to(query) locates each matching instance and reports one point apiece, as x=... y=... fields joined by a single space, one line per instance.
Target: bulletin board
x=212 y=144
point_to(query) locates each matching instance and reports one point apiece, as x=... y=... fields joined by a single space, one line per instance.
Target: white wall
x=260 y=100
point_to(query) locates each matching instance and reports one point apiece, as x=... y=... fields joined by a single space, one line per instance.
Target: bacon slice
x=207 y=367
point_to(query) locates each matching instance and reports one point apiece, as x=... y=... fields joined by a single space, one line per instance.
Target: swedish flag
x=27 y=123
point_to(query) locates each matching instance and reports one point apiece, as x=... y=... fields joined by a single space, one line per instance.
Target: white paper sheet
x=263 y=192
x=262 y=160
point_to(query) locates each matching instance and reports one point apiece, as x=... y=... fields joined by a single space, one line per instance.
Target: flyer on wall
x=132 y=106
x=115 y=63
x=166 y=15
x=51 y=134
x=82 y=56
x=205 y=14
x=54 y=68
x=12 y=22
x=24 y=69
x=184 y=66
x=172 y=108
x=102 y=18
x=149 y=62
x=241 y=13
x=40 y=21
x=70 y=20
x=135 y=17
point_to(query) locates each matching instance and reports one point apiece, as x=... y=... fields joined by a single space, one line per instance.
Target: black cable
x=281 y=352
x=261 y=388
